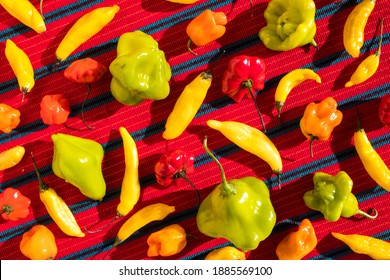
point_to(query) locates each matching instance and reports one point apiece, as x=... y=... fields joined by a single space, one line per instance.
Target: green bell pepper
x=290 y=24
x=333 y=198
x=140 y=70
x=239 y=210
x=79 y=161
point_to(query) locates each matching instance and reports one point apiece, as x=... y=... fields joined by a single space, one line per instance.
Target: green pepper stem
x=82 y=108
x=279 y=105
x=189 y=47
x=227 y=189
x=42 y=185
x=366 y=215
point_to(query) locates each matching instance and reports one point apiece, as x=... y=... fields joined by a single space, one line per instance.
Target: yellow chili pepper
x=21 y=66
x=57 y=208
x=375 y=248
x=131 y=188
x=226 y=253
x=11 y=157
x=368 y=66
x=84 y=28
x=39 y=243
x=183 y=1
x=142 y=217
x=289 y=82
x=373 y=163
x=26 y=13
x=168 y=241
x=251 y=140
x=9 y=118
x=297 y=244
x=353 y=35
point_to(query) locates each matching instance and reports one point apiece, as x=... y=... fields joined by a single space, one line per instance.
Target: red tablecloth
x=167 y=22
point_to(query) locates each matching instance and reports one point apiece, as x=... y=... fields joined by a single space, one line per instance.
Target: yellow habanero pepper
x=168 y=241
x=57 y=208
x=84 y=28
x=39 y=244
x=373 y=163
x=9 y=118
x=251 y=140
x=375 y=248
x=289 y=82
x=142 y=217
x=353 y=35
x=26 y=13
x=368 y=66
x=11 y=157
x=21 y=66
x=226 y=253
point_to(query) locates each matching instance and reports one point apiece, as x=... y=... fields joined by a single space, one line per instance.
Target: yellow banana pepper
x=226 y=253
x=26 y=13
x=84 y=28
x=353 y=35
x=289 y=82
x=11 y=157
x=21 y=66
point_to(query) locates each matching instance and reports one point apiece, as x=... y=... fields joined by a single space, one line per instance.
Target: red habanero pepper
x=243 y=77
x=384 y=110
x=55 y=109
x=173 y=165
x=85 y=71
x=14 y=205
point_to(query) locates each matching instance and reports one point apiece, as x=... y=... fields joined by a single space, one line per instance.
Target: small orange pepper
x=39 y=243
x=168 y=241
x=319 y=120
x=299 y=243
x=226 y=253
x=206 y=28
x=55 y=109
x=9 y=118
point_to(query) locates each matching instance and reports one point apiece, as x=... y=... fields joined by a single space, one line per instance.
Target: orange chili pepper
x=39 y=243
x=205 y=28
x=168 y=241
x=299 y=243
x=14 y=205
x=226 y=253
x=319 y=120
x=55 y=109
x=9 y=118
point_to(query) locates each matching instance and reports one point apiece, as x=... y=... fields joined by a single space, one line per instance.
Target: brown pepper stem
x=248 y=84
x=378 y=52
x=182 y=175
x=102 y=228
x=42 y=185
x=82 y=108
x=41 y=8
x=189 y=47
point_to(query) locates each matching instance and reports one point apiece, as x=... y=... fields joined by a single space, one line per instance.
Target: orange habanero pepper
x=319 y=120
x=168 y=241
x=9 y=118
x=299 y=243
x=206 y=28
x=39 y=243
x=226 y=253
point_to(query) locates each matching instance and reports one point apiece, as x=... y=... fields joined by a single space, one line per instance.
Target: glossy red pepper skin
x=55 y=109
x=14 y=205
x=172 y=165
x=244 y=74
x=384 y=110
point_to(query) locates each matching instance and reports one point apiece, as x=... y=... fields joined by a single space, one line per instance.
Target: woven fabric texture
x=166 y=22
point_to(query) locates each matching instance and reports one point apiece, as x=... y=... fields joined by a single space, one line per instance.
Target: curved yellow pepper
x=368 y=66
x=84 y=28
x=289 y=82
x=226 y=253
x=26 y=13
x=353 y=35
x=21 y=66
x=11 y=157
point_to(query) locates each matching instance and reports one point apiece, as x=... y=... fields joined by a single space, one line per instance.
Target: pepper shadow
x=161 y=5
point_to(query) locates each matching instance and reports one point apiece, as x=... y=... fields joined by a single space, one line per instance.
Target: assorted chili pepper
x=11 y=157
x=167 y=242
x=55 y=109
x=226 y=253
x=9 y=118
x=39 y=243
x=14 y=205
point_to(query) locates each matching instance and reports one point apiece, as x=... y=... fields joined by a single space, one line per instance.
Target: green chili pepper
x=239 y=210
x=290 y=24
x=79 y=161
x=333 y=198
x=140 y=70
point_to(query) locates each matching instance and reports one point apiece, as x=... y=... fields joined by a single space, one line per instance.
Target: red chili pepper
x=55 y=109
x=14 y=205
x=243 y=77
x=173 y=165
x=85 y=71
x=384 y=110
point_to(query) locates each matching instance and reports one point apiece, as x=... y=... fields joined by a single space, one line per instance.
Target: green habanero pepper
x=79 y=161
x=239 y=210
x=290 y=24
x=333 y=198
x=140 y=70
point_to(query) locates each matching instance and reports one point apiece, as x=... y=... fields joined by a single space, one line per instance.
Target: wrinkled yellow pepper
x=226 y=253
x=168 y=241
